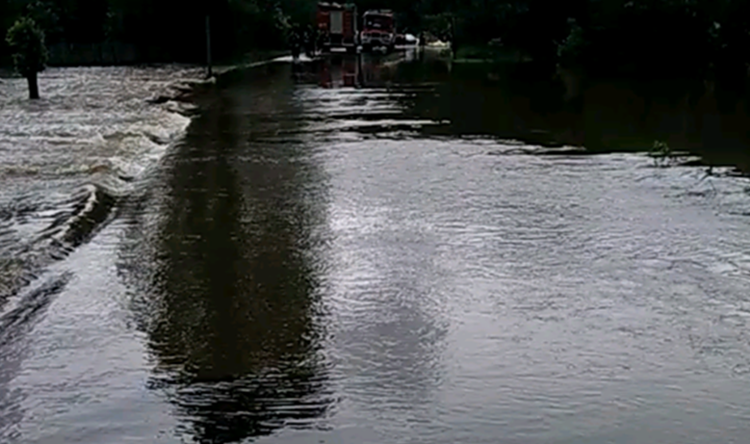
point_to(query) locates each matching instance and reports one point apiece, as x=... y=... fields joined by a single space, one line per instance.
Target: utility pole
x=208 y=46
x=454 y=45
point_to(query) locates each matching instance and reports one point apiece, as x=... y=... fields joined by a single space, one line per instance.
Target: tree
x=26 y=41
x=46 y=16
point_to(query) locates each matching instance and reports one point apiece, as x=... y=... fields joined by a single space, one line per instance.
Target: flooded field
x=354 y=251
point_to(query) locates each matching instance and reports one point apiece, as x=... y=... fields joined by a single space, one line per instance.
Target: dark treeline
x=160 y=30
x=633 y=39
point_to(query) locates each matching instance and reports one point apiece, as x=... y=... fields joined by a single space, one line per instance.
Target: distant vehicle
x=338 y=25
x=378 y=30
x=406 y=40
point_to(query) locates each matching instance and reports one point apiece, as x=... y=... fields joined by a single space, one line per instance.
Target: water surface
x=318 y=262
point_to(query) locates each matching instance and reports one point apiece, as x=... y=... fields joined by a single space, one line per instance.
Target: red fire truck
x=338 y=24
x=378 y=30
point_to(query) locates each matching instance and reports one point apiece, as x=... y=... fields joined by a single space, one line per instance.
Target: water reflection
x=229 y=298
x=371 y=70
x=466 y=294
x=522 y=102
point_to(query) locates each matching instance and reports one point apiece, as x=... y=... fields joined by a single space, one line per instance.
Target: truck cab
x=378 y=30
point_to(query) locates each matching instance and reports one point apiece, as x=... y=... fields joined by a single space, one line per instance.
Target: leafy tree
x=46 y=16
x=26 y=41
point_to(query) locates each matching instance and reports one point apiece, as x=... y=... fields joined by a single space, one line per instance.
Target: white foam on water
x=90 y=120
x=68 y=157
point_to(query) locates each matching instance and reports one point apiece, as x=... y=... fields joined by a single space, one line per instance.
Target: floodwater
x=335 y=253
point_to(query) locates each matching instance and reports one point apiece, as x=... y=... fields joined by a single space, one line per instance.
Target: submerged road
x=318 y=263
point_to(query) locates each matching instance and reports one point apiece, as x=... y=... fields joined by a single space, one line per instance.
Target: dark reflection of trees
x=229 y=304
x=526 y=103
x=521 y=102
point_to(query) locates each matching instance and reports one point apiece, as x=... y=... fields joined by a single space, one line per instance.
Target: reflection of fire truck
x=338 y=24
x=337 y=73
x=378 y=30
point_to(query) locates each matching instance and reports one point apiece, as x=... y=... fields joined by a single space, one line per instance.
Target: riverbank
x=222 y=73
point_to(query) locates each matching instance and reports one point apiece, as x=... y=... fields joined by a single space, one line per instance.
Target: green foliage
x=26 y=41
x=573 y=49
x=658 y=38
x=45 y=15
x=438 y=25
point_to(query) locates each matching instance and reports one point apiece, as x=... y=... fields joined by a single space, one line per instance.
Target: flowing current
x=314 y=262
x=67 y=157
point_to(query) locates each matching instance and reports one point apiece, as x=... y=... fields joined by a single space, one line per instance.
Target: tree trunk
x=33 y=86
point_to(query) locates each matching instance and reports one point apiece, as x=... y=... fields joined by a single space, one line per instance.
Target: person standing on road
x=295 y=41
x=320 y=39
x=310 y=39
